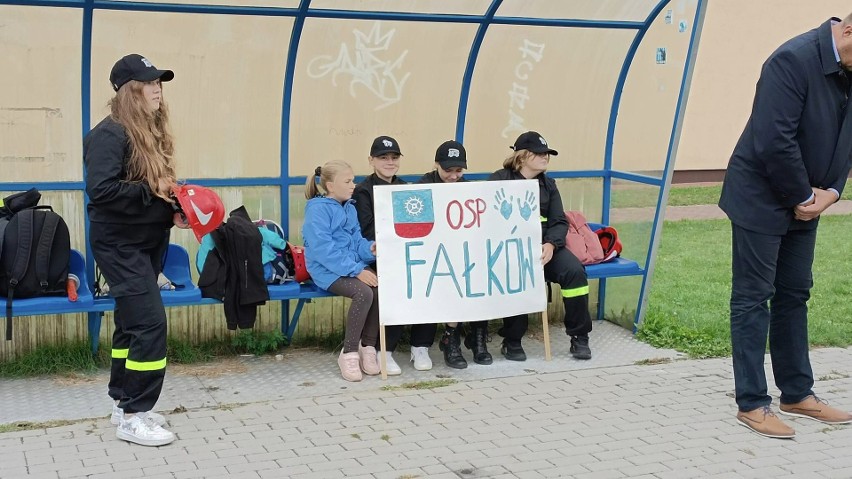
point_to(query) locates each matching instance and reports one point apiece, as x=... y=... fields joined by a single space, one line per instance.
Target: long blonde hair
x=327 y=172
x=151 y=141
x=516 y=160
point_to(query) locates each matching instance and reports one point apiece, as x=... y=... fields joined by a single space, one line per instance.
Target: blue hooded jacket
x=334 y=246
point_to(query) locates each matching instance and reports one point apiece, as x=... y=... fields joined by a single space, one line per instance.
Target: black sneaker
x=580 y=347
x=513 y=351
x=451 y=347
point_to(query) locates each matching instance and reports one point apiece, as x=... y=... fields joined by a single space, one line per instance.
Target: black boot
x=513 y=351
x=451 y=346
x=580 y=347
x=476 y=343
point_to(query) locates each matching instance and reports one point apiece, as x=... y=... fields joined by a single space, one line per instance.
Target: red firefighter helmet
x=202 y=207
x=609 y=242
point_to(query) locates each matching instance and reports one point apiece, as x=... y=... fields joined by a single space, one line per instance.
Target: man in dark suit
x=789 y=165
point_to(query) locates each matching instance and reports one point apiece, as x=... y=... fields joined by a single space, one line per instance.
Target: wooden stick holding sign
x=383 y=360
x=545 y=329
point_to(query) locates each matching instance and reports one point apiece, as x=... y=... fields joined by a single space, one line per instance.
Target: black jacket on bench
x=233 y=271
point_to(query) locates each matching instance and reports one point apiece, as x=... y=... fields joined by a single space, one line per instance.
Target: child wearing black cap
x=450 y=163
x=529 y=161
x=130 y=175
x=384 y=158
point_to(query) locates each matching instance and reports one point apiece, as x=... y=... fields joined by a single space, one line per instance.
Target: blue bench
x=618 y=267
x=57 y=304
x=187 y=293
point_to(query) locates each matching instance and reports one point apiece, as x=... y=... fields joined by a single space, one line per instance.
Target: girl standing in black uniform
x=129 y=179
x=530 y=161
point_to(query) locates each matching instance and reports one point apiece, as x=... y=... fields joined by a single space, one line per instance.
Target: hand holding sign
x=546 y=253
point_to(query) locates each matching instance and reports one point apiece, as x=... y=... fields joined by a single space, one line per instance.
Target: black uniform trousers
x=130 y=258
x=771 y=282
x=422 y=335
x=564 y=268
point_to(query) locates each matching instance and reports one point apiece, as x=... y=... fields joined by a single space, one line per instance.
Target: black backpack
x=35 y=252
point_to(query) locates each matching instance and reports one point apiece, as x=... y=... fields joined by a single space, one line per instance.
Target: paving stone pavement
x=612 y=417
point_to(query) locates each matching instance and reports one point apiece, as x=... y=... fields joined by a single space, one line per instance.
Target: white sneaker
x=393 y=367
x=141 y=429
x=420 y=358
x=118 y=413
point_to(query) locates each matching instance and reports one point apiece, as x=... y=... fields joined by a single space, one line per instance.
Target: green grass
x=76 y=358
x=679 y=195
x=182 y=352
x=61 y=359
x=31 y=426
x=330 y=342
x=694 y=195
x=644 y=196
x=428 y=384
x=690 y=293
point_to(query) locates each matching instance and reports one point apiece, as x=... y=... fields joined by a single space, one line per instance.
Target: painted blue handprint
x=505 y=206
x=526 y=208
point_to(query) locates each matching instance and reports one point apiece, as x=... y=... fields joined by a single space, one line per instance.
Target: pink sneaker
x=369 y=361
x=349 y=368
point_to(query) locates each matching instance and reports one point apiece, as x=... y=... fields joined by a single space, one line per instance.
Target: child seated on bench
x=530 y=160
x=337 y=256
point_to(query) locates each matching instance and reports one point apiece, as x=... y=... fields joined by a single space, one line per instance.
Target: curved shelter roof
x=265 y=90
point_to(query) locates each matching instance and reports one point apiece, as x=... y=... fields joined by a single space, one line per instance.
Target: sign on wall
x=458 y=251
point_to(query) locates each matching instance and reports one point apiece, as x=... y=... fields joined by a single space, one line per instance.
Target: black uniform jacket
x=799 y=135
x=113 y=199
x=363 y=196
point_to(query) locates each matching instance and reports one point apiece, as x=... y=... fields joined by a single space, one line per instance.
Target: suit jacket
x=799 y=135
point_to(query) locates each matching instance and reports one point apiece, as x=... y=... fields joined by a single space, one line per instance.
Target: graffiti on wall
x=531 y=54
x=367 y=65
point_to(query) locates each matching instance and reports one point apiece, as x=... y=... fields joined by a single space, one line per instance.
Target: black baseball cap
x=451 y=154
x=384 y=144
x=136 y=67
x=534 y=142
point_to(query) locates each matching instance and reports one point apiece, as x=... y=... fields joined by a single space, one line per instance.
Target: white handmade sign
x=458 y=251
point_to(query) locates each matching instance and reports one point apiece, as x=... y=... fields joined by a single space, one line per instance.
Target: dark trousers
x=769 y=292
x=564 y=268
x=130 y=258
x=422 y=335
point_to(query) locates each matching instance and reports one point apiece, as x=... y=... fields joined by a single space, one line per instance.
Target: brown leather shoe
x=764 y=422
x=815 y=408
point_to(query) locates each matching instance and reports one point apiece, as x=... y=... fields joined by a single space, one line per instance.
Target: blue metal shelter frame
x=303 y=11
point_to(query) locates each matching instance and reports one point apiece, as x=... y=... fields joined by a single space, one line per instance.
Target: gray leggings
x=362 y=323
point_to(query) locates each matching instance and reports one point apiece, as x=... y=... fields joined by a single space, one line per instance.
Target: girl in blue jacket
x=337 y=255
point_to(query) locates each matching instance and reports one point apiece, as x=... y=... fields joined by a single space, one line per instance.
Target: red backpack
x=581 y=240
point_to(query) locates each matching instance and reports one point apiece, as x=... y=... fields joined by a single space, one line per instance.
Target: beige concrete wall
x=737 y=37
